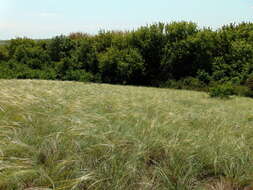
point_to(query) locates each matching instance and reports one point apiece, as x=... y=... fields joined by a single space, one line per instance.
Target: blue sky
x=47 y=18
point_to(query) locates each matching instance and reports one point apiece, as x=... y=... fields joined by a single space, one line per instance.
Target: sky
x=47 y=18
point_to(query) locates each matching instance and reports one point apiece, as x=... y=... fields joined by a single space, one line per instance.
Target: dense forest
x=175 y=55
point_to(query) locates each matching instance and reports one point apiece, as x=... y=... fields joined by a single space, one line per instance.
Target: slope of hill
x=70 y=135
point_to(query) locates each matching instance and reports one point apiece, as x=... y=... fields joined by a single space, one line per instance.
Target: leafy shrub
x=87 y=56
x=221 y=91
x=4 y=54
x=33 y=57
x=236 y=81
x=60 y=47
x=240 y=90
x=79 y=75
x=250 y=83
x=188 y=83
x=19 y=42
x=121 y=66
x=171 y=84
x=5 y=71
x=192 y=83
x=248 y=93
x=203 y=76
x=249 y=86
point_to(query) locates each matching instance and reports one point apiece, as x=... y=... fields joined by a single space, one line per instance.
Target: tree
x=150 y=41
x=4 y=54
x=121 y=66
x=86 y=55
x=60 y=47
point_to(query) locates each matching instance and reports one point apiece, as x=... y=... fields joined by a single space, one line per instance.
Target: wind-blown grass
x=70 y=135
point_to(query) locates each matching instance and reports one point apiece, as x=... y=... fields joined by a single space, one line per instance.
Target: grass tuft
x=69 y=135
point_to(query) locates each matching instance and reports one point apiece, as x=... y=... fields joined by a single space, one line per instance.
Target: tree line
x=176 y=55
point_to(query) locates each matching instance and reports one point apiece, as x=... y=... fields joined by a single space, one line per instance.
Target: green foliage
x=221 y=91
x=120 y=66
x=33 y=57
x=4 y=54
x=86 y=55
x=79 y=75
x=78 y=35
x=171 y=84
x=16 y=43
x=185 y=57
x=60 y=47
x=5 y=71
x=203 y=76
x=249 y=82
x=150 y=41
x=178 y=55
x=63 y=66
x=188 y=83
x=177 y=31
x=192 y=83
x=240 y=90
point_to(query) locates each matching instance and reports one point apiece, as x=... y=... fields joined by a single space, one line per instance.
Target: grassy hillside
x=70 y=135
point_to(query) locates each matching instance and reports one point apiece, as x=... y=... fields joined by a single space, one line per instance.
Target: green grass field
x=79 y=136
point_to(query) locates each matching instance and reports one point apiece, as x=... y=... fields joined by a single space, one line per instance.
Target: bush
x=203 y=76
x=249 y=83
x=240 y=90
x=221 y=91
x=192 y=83
x=78 y=75
x=60 y=47
x=188 y=83
x=6 y=72
x=171 y=84
x=4 y=54
x=236 y=81
x=121 y=66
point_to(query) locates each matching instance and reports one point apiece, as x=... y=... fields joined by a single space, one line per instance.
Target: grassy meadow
x=78 y=136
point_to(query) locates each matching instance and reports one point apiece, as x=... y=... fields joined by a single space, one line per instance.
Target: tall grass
x=70 y=135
